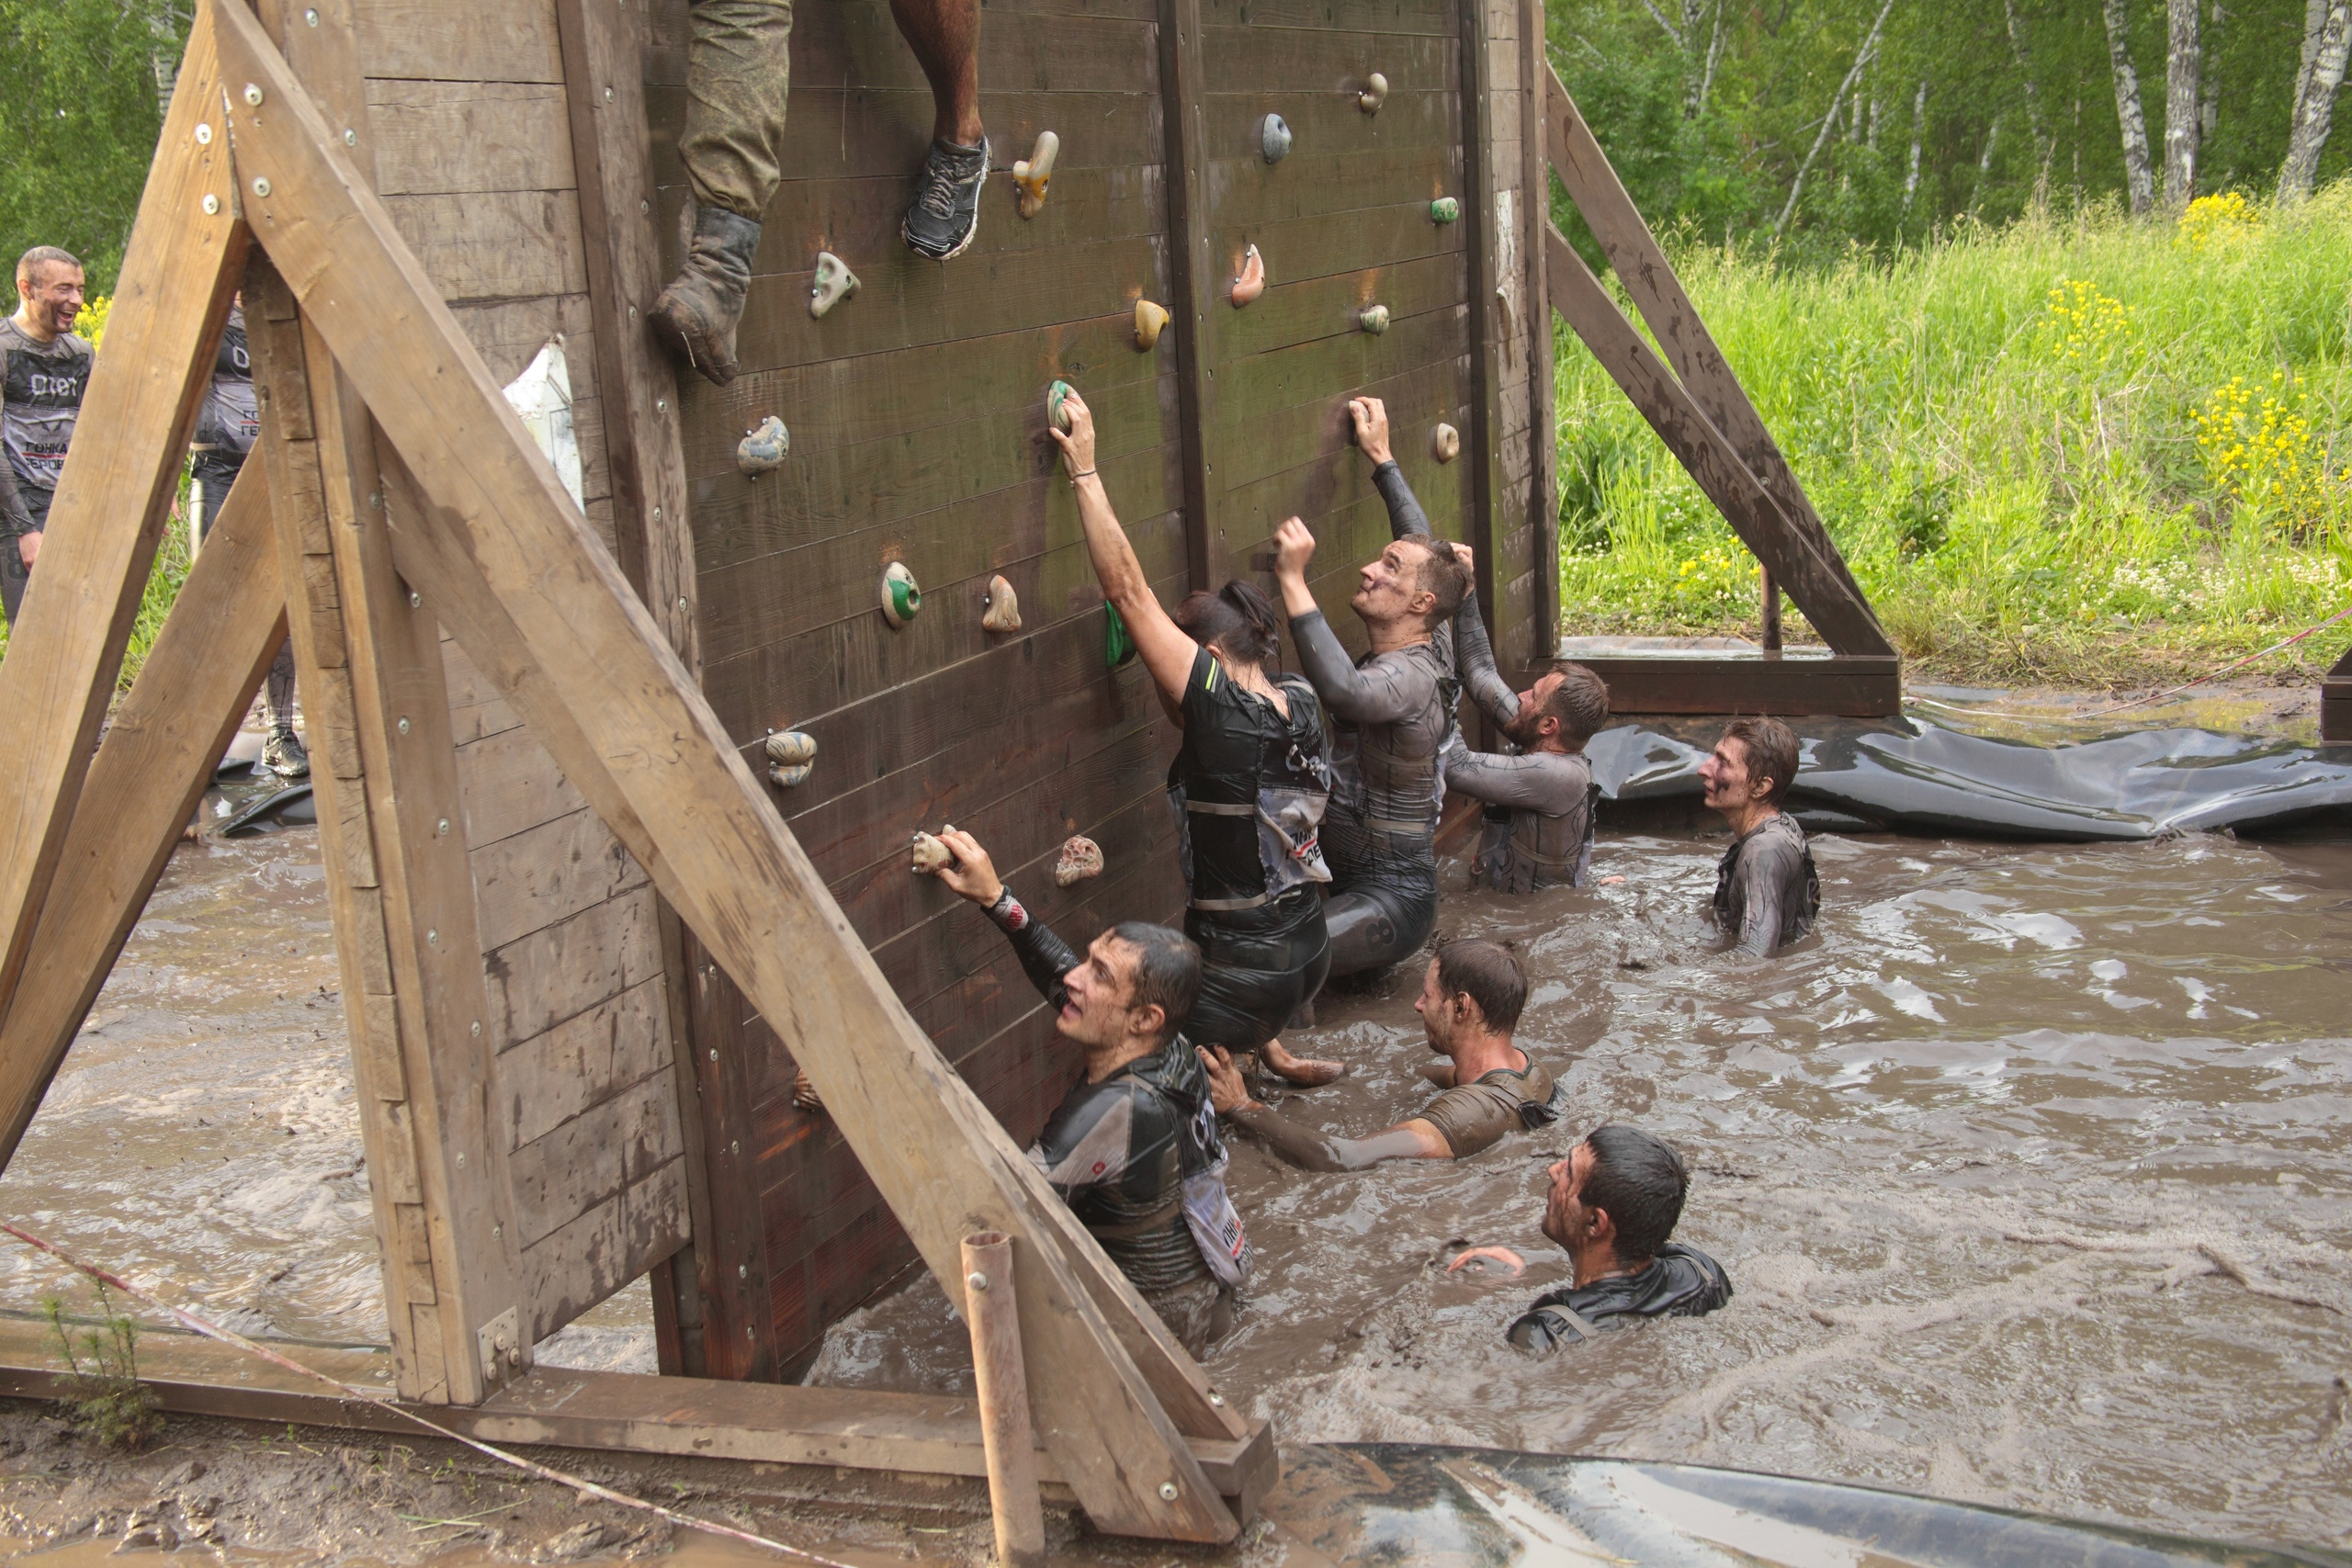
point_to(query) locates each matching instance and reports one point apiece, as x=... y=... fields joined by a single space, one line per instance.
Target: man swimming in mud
x=1390 y=713
x=1767 y=892
x=1134 y=1149
x=1470 y=1001
x=1612 y=1207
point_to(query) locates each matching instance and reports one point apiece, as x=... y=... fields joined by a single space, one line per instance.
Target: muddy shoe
x=282 y=754
x=695 y=316
x=947 y=210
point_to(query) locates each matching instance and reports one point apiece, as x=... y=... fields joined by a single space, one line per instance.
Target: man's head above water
x=1614 y=1201
x=1747 y=776
x=1471 y=996
x=1132 y=990
x=1564 y=709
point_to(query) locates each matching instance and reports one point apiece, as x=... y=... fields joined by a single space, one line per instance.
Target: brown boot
x=697 y=314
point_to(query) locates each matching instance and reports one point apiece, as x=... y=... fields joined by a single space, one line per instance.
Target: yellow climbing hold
x=1031 y=173
x=1149 y=320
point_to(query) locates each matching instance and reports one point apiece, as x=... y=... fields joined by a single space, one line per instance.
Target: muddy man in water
x=738 y=79
x=1470 y=1001
x=1767 y=892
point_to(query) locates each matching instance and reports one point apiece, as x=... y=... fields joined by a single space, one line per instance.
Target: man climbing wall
x=738 y=78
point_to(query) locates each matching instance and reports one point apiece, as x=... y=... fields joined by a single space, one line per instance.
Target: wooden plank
x=604 y=1249
x=860 y=218
x=1306 y=184
x=1321 y=307
x=445 y=137
x=574 y=1168
x=112 y=500
x=1326 y=121
x=536 y=603
x=1300 y=248
x=149 y=775
x=1430 y=17
x=1483 y=224
x=561 y=971
x=585 y=1060
x=1701 y=448
x=2335 y=704
x=733 y=1270
x=862 y=132
x=548 y=874
x=509 y=785
x=1706 y=377
x=1288 y=439
x=495 y=246
x=459 y=39
x=1848 y=685
x=1279 y=60
x=1281 y=378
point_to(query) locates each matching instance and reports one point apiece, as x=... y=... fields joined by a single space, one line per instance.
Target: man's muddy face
x=1565 y=1219
x=1723 y=775
x=53 y=296
x=1389 y=584
x=1101 y=990
x=1437 y=1011
x=1526 y=726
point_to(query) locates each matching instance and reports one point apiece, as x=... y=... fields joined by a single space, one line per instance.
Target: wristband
x=1007 y=910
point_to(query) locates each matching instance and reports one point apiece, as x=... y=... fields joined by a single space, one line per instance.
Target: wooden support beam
x=148 y=778
x=1544 y=501
x=1649 y=280
x=1481 y=444
x=1198 y=279
x=1634 y=366
x=1002 y=1387
x=2336 y=701
x=547 y=614
x=113 y=498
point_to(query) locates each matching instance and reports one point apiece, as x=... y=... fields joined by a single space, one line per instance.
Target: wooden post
x=1481 y=439
x=498 y=548
x=1769 y=592
x=1195 y=271
x=1543 y=459
x=116 y=493
x=1003 y=1388
x=150 y=772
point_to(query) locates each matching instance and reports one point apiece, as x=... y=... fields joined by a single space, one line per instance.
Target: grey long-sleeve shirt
x=1766 y=889
x=1538 y=828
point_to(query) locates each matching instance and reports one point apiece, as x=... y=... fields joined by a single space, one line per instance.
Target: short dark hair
x=1640 y=1183
x=1443 y=574
x=1168 y=971
x=44 y=255
x=1490 y=974
x=1239 y=618
x=1580 y=702
x=1771 y=749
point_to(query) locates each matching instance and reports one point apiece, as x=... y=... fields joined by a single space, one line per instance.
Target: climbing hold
x=1375 y=94
x=929 y=854
x=1031 y=173
x=1252 y=281
x=1273 y=138
x=1004 y=608
x=1117 y=646
x=1446 y=442
x=1444 y=209
x=1374 y=318
x=901 y=600
x=1055 y=415
x=1081 y=858
x=792 y=756
x=832 y=284
x=763 y=451
x=1149 y=320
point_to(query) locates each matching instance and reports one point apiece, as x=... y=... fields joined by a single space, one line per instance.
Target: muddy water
x=2029 y=1170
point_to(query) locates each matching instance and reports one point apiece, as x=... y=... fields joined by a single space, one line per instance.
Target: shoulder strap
x=1562 y=1315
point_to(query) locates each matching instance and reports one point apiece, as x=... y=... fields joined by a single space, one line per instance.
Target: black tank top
x=1236 y=743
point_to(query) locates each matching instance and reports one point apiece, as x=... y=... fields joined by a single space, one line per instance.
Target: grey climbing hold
x=1273 y=138
x=763 y=451
x=1375 y=94
x=1004 y=608
x=1374 y=318
x=832 y=284
x=901 y=600
x=792 y=757
x=1445 y=444
x=927 y=854
x=1252 y=280
x=1055 y=414
x=1030 y=174
x=1444 y=209
x=1081 y=858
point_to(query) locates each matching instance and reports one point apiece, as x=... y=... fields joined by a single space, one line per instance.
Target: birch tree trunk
x=2139 y=180
x=2184 y=57
x=2044 y=148
x=1829 y=121
x=2315 y=110
x=1918 y=132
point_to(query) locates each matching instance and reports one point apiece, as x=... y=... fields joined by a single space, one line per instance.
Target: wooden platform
x=1788 y=684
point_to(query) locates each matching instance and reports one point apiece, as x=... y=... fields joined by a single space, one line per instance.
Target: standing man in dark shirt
x=226 y=428
x=1612 y=1205
x=1390 y=713
x=1767 y=892
x=44 y=370
x=1538 y=827
x=1134 y=1148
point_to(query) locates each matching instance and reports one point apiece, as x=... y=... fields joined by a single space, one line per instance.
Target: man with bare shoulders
x=46 y=370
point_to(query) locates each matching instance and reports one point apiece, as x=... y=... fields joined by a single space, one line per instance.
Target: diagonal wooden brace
x=148 y=777
x=489 y=531
x=114 y=494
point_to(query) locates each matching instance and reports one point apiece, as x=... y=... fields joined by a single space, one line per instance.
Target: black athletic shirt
x=1767 y=892
x=40 y=396
x=1118 y=1151
x=229 y=421
x=1680 y=1282
x=1235 y=742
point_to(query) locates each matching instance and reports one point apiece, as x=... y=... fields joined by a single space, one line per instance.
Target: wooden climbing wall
x=916 y=420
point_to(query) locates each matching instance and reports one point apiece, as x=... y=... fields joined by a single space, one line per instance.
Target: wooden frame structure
x=2336 y=701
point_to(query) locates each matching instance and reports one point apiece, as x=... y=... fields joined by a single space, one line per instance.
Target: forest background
x=2048 y=301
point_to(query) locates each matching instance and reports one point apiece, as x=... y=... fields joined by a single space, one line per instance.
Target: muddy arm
x=1416 y=1139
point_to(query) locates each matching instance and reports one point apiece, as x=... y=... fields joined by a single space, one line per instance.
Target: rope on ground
x=586 y=1488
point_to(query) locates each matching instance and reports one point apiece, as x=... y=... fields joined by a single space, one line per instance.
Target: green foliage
x=109 y=1403
x=2069 y=449
x=79 y=116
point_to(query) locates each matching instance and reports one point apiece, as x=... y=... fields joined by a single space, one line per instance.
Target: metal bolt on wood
x=1003 y=1384
x=261 y=185
x=253 y=94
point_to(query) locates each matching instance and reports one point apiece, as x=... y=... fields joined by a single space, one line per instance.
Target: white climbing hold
x=1446 y=442
x=1004 y=608
x=1252 y=279
x=763 y=451
x=832 y=284
x=1030 y=174
x=792 y=756
x=1374 y=318
x=901 y=599
x=1080 y=859
x=928 y=854
x=1375 y=94
x=1151 y=320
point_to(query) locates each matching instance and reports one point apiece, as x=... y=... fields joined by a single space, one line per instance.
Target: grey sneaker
x=282 y=754
x=697 y=315
x=945 y=213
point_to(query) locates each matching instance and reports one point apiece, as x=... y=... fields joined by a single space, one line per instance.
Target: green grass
x=172 y=562
x=2044 y=450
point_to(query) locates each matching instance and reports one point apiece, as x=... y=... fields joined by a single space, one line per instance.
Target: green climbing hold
x=1444 y=209
x=1117 y=646
x=1054 y=414
x=901 y=599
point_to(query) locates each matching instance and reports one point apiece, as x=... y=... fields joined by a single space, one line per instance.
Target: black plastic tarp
x=1916 y=774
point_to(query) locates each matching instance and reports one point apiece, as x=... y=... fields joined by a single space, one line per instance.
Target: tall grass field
x=2071 y=451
